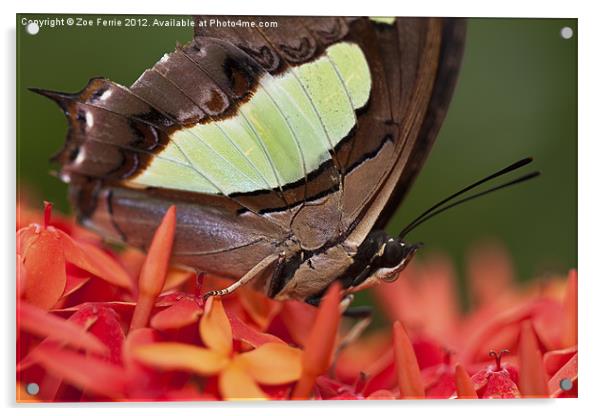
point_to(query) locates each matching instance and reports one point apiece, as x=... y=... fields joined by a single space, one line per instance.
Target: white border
x=590 y=233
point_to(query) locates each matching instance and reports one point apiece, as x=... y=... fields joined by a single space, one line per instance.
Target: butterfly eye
x=393 y=254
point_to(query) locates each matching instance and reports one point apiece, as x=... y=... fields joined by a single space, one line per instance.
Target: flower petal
x=272 y=363
x=154 y=269
x=464 y=385
x=177 y=276
x=439 y=381
x=83 y=371
x=82 y=254
x=243 y=332
x=298 y=317
x=428 y=352
x=320 y=344
x=260 y=308
x=215 y=328
x=100 y=321
x=44 y=262
x=425 y=297
x=408 y=372
x=236 y=384
x=132 y=260
x=135 y=339
x=45 y=324
x=75 y=280
x=532 y=376
x=105 y=325
x=148 y=382
x=382 y=374
x=178 y=356
x=327 y=387
x=554 y=360
x=184 y=312
x=95 y=260
x=501 y=328
x=490 y=272
x=360 y=356
x=570 y=310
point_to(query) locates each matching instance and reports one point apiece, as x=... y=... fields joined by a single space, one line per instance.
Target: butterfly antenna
x=439 y=207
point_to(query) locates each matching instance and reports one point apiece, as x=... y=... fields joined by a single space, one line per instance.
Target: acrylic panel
x=295 y=208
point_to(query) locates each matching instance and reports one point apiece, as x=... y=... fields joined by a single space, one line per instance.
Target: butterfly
x=284 y=149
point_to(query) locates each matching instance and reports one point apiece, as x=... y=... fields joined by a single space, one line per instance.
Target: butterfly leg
x=363 y=316
x=250 y=275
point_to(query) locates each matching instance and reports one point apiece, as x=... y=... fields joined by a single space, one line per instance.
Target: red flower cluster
x=96 y=323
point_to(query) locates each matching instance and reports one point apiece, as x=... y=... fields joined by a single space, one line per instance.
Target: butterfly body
x=285 y=151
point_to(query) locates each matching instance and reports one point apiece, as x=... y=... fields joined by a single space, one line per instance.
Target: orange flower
x=76 y=300
x=239 y=374
x=43 y=253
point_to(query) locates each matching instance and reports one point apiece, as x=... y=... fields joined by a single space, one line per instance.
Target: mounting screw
x=32 y=389
x=566 y=384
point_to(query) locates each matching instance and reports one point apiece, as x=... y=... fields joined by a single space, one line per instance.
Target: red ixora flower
x=44 y=254
x=98 y=323
x=497 y=381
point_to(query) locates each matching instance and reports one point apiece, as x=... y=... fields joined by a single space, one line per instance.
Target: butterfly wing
x=413 y=65
x=261 y=136
x=453 y=35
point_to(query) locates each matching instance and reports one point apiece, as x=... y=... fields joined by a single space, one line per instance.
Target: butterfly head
x=380 y=258
x=392 y=258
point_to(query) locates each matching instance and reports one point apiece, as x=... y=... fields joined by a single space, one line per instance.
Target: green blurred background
x=516 y=96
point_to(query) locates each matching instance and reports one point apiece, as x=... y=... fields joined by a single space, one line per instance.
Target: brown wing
x=450 y=58
x=420 y=60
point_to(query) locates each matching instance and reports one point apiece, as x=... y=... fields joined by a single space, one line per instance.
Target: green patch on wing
x=286 y=130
